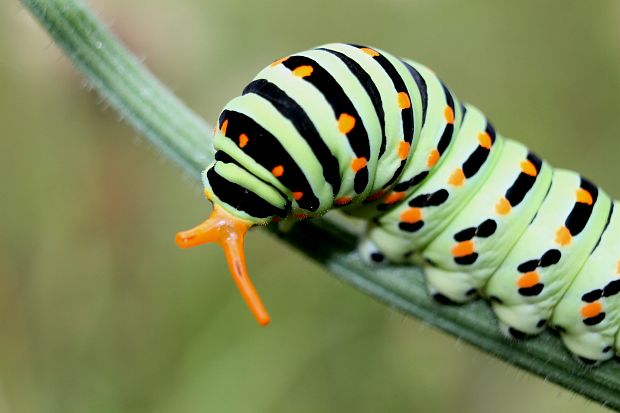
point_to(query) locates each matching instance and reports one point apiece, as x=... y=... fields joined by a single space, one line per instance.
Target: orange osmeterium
x=228 y=231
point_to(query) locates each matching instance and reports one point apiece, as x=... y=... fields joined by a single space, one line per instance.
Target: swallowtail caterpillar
x=382 y=138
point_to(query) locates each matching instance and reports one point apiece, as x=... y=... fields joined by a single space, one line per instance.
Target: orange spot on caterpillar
x=411 y=215
x=463 y=249
x=369 y=51
x=346 y=123
x=448 y=114
x=529 y=279
x=528 y=168
x=394 y=197
x=276 y=219
x=503 y=207
x=563 y=236
x=485 y=140
x=584 y=196
x=303 y=71
x=224 y=127
x=243 y=140
x=358 y=163
x=432 y=158
x=618 y=267
x=591 y=309
x=457 y=178
x=278 y=171
x=297 y=195
x=403 y=100
x=344 y=200
x=277 y=62
x=403 y=150
x=375 y=196
x=301 y=216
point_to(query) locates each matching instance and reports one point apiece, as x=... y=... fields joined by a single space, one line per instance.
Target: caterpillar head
x=228 y=231
x=240 y=201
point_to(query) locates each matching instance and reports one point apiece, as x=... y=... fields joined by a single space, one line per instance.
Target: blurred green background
x=100 y=312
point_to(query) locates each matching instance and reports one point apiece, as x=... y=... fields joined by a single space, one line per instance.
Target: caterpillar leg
x=378 y=246
x=228 y=231
x=287 y=224
x=369 y=251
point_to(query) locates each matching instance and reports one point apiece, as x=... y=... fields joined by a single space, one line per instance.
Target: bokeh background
x=100 y=312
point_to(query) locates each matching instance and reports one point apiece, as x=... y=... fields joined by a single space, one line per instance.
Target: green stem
x=164 y=120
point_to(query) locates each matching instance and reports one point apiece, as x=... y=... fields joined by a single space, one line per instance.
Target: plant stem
x=143 y=102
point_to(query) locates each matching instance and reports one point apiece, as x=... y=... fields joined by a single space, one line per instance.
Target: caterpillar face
x=352 y=127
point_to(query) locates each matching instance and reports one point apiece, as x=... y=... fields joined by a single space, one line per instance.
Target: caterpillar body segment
x=402 y=119
x=589 y=314
x=429 y=208
x=461 y=259
x=352 y=127
x=550 y=253
x=439 y=108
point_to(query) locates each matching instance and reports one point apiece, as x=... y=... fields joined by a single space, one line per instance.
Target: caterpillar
x=383 y=139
